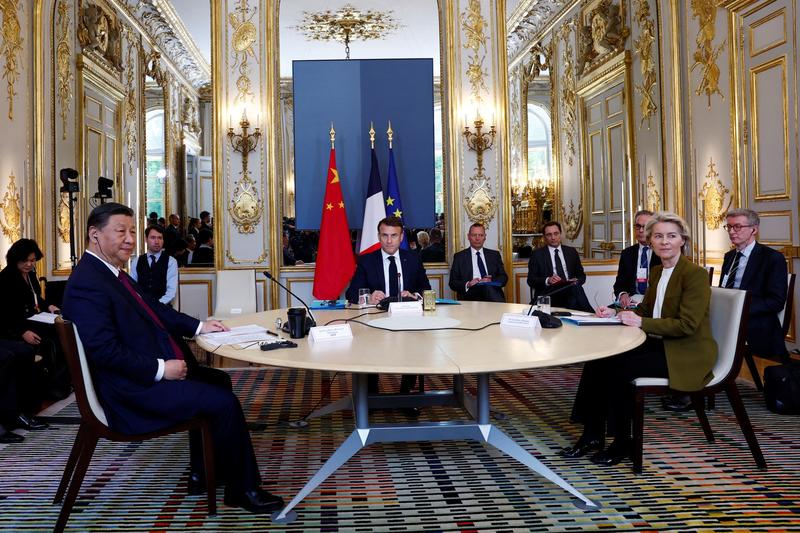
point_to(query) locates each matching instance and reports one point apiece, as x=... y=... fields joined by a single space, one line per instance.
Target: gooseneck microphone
x=311 y=319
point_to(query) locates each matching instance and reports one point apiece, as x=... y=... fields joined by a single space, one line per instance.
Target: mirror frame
x=150 y=66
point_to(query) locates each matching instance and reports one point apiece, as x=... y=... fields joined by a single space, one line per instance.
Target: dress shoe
x=23 y=421
x=196 y=484
x=676 y=403
x=256 y=501
x=618 y=450
x=582 y=447
x=9 y=437
x=411 y=412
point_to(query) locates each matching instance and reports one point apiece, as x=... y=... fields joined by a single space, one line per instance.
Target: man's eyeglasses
x=736 y=227
x=637 y=227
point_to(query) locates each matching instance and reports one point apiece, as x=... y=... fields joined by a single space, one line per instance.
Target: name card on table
x=331 y=333
x=406 y=308
x=515 y=320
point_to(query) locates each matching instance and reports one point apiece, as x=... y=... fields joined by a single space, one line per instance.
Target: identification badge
x=724 y=281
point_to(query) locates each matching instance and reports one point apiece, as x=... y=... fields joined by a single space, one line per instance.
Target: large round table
x=430 y=351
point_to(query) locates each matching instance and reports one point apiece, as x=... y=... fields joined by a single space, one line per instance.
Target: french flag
x=374 y=211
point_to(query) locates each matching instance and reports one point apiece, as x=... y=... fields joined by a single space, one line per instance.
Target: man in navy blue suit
x=389 y=272
x=145 y=375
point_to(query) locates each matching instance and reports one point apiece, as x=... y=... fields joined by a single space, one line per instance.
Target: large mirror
x=415 y=35
x=179 y=169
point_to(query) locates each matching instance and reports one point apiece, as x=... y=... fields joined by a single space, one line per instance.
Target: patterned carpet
x=688 y=483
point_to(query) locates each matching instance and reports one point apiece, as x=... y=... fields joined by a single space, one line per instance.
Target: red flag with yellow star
x=335 y=259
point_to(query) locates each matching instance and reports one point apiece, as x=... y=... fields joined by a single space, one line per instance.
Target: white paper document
x=242 y=335
x=44 y=317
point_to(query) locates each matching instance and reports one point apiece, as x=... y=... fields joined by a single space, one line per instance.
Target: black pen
x=273 y=334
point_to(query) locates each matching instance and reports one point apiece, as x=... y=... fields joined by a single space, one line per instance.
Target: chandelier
x=346 y=25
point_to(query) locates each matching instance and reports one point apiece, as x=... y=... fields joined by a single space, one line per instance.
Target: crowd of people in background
x=190 y=245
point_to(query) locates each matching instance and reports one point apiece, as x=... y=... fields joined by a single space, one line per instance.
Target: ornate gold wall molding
x=713 y=195
x=10 y=47
x=569 y=108
x=242 y=41
x=705 y=56
x=647 y=66
x=539 y=62
x=130 y=118
x=653 y=202
x=62 y=227
x=100 y=35
x=11 y=207
x=64 y=64
x=601 y=34
x=573 y=220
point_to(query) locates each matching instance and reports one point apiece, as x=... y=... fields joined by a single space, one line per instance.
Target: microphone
x=566 y=285
x=399 y=290
x=311 y=319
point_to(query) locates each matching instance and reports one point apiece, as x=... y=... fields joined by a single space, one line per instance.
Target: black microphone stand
x=312 y=322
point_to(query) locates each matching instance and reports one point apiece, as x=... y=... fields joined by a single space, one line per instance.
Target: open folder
x=593 y=320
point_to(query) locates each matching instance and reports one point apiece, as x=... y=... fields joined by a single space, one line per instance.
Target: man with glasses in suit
x=635 y=263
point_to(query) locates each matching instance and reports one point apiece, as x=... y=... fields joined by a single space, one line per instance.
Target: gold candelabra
x=529 y=202
x=244 y=142
x=479 y=142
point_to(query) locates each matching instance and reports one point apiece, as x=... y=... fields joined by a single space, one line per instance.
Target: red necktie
x=123 y=277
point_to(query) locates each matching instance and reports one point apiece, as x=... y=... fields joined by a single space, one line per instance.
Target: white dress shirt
x=742 y=265
x=386 y=263
x=661 y=290
x=553 y=262
x=172 y=276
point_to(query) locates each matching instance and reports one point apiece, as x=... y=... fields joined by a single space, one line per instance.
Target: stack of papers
x=47 y=318
x=240 y=335
x=593 y=321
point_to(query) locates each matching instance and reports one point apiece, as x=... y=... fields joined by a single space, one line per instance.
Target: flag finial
x=333 y=135
x=390 y=133
x=371 y=135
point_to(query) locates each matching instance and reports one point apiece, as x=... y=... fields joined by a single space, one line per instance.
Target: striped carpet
x=688 y=483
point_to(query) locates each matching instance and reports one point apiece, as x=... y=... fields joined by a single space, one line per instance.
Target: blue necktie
x=730 y=284
x=481 y=266
x=641 y=286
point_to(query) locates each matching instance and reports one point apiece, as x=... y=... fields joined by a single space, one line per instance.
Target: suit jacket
x=540 y=267
x=461 y=271
x=203 y=256
x=765 y=278
x=123 y=344
x=18 y=302
x=684 y=325
x=369 y=274
x=628 y=265
x=433 y=253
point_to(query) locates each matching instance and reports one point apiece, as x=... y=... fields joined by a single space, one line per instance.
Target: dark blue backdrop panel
x=351 y=93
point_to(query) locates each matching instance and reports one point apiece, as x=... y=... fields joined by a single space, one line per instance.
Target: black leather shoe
x=196 y=484
x=581 y=448
x=256 y=501
x=619 y=450
x=411 y=412
x=677 y=404
x=23 y=421
x=9 y=437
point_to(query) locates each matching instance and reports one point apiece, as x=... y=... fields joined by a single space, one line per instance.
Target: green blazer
x=684 y=325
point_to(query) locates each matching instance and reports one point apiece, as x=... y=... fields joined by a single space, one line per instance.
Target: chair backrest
x=176 y=302
x=710 y=270
x=785 y=316
x=236 y=293
x=88 y=404
x=728 y=313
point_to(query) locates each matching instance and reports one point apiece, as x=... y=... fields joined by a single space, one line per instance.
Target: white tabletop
x=493 y=349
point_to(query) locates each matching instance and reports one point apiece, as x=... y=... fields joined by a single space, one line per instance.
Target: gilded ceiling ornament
x=63 y=64
x=244 y=36
x=573 y=220
x=713 y=196
x=601 y=34
x=11 y=207
x=347 y=24
x=474 y=26
x=568 y=98
x=540 y=62
x=527 y=25
x=154 y=68
x=644 y=47
x=62 y=228
x=129 y=104
x=10 y=47
x=653 y=196
x=705 y=56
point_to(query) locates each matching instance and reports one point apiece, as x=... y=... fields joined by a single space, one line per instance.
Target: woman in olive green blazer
x=679 y=346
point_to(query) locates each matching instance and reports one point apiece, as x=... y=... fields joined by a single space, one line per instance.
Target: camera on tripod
x=69 y=180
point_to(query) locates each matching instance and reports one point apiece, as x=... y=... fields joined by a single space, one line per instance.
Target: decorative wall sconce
x=244 y=142
x=479 y=142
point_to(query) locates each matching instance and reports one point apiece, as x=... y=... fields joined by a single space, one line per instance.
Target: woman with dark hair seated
x=679 y=346
x=23 y=299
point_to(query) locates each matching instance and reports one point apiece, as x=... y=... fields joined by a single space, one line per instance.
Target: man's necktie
x=481 y=266
x=559 y=266
x=641 y=286
x=152 y=261
x=732 y=272
x=126 y=282
x=394 y=286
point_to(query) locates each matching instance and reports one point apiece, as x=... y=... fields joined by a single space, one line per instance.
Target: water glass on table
x=543 y=303
x=363 y=298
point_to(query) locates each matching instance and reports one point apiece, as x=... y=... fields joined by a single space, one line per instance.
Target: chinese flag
x=335 y=259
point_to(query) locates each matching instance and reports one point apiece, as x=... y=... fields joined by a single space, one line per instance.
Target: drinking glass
x=543 y=303
x=363 y=298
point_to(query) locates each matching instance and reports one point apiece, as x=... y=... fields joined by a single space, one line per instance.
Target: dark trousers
x=571 y=297
x=407 y=382
x=17 y=382
x=604 y=402
x=210 y=392
x=484 y=293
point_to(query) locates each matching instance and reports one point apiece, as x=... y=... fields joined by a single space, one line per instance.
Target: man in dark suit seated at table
x=476 y=266
x=556 y=270
x=635 y=263
x=145 y=375
x=385 y=276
